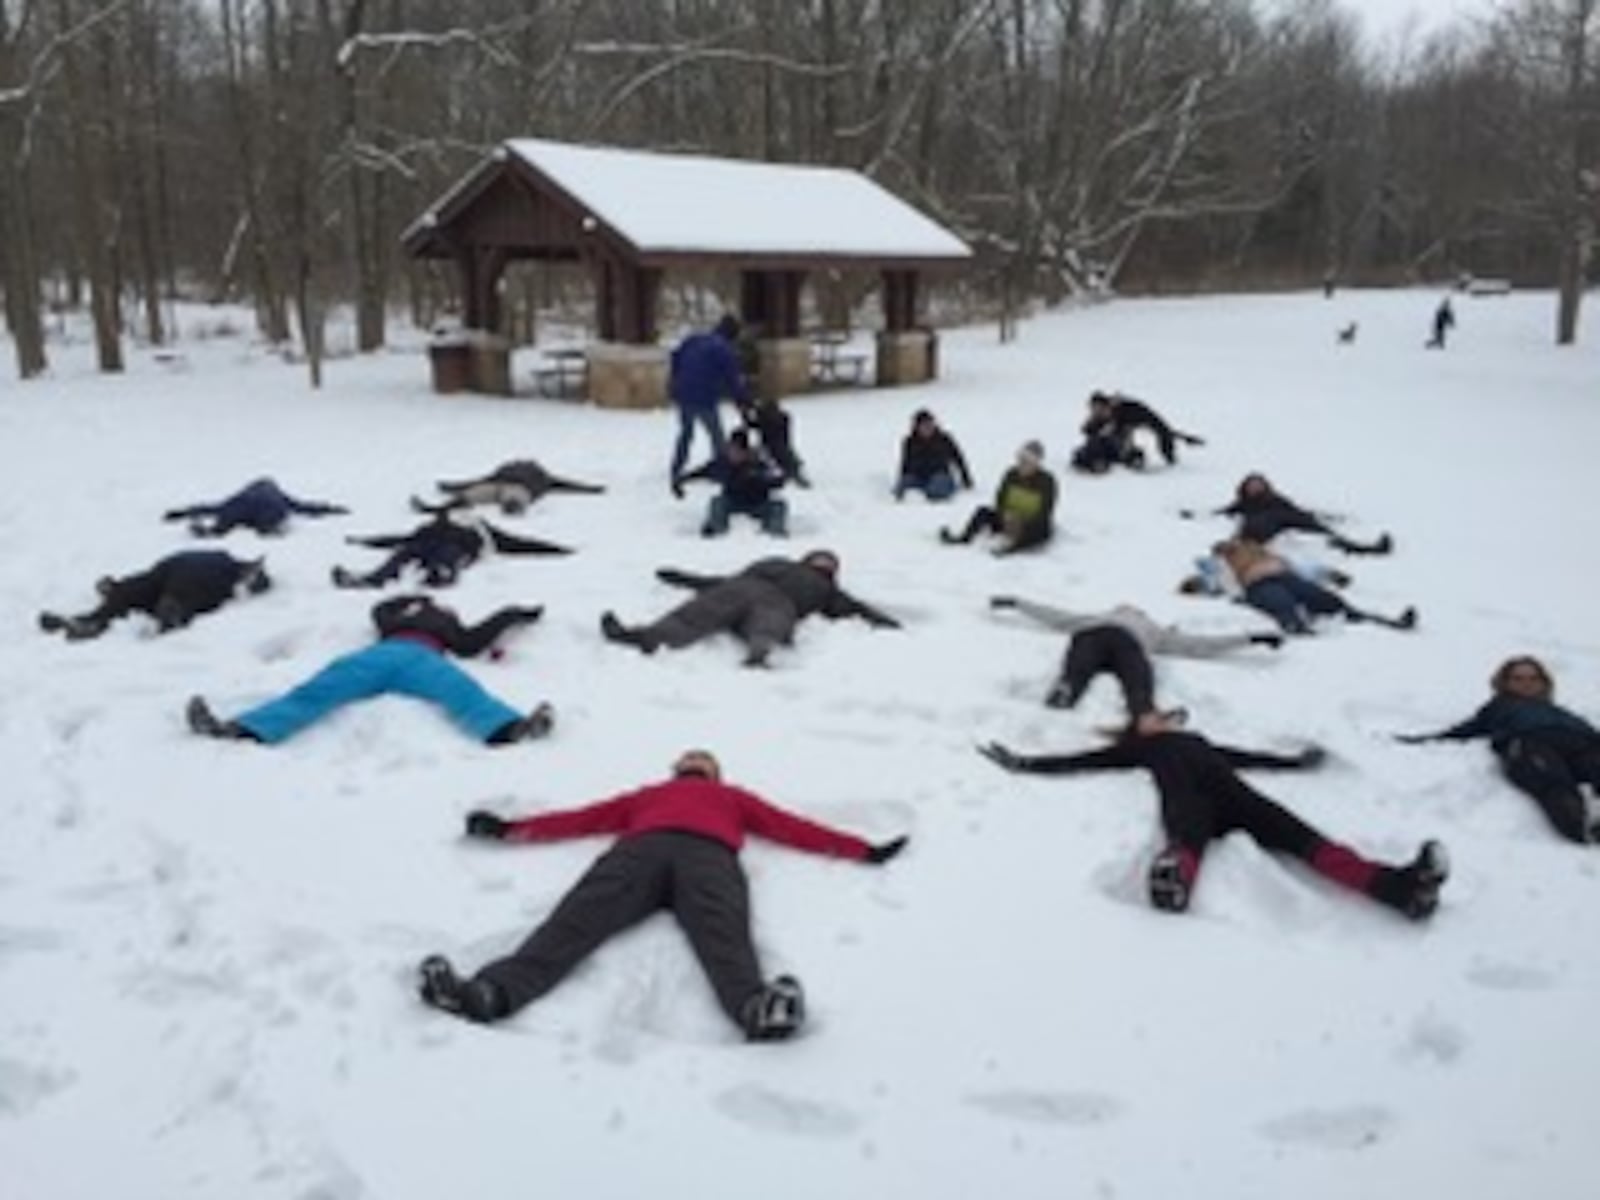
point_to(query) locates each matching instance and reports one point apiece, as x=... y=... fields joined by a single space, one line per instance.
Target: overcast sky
x=1384 y=18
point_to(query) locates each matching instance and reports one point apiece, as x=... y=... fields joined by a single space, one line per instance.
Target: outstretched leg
x=1108 y=648
x=711 y=900
x=1541 y=771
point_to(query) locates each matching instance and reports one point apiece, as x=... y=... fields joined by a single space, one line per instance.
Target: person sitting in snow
x=749 y=480
x=1547 y=752
x=768 y=419
x=1024 y=506
x=409 y=658
x=261 y=505
x=761 y=605
x=1264 y=513
x=1272 y=586
x=930 y=461
x=1203 y=798
x=441 y=549
x=1119 y=643
x=512 y=485
x=1108 y=434
x=174 y=591
x=677 y=848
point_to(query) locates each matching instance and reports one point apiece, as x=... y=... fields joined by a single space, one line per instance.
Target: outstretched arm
x=1474 y=726
x=510 y=543
x=1117 y=757
x=1207 y=645
x=192 y=511
x=1305 y=760
x=381 y=541
x=843 y=604
x=688 y=579
x=1052 y=618
x=471 y=640
x=315 y=508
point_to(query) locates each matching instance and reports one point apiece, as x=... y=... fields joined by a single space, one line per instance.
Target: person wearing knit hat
x=1023 y=511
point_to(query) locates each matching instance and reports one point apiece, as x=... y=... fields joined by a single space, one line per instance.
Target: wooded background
x=271 y=151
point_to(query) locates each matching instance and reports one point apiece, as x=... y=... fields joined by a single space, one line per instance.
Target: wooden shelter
x=630 y=216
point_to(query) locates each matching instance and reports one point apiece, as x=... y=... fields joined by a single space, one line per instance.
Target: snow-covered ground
x=206 y=949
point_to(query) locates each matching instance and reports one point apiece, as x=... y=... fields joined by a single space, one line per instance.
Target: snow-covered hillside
x=206 y=949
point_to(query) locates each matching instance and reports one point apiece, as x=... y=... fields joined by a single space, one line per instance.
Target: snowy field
x=206 y=949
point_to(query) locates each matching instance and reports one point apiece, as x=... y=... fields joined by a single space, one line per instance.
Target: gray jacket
x=1153 y=636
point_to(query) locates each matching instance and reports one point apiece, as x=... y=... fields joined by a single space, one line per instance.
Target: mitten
x=883 y=852
x=996 y=753
x=482 y=824
x=1275 y=640
x=1002 y=601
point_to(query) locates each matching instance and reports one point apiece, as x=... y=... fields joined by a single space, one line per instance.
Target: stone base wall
x=909 y=357
x=625 y=376
x=785 y=367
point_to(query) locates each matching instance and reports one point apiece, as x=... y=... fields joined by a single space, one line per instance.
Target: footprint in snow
x=1048 y=1108
x=772 y=1111
x=1509 y=977
x=1353 y=1128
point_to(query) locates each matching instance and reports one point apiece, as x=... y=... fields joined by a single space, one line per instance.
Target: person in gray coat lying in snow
x=1119 y=643
x=512 y=485
x=761 y=605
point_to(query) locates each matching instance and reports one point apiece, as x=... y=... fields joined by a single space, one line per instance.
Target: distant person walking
x=677 y=848
x=1203 y=798
x=1444 y=320
x=1547 y=752
x=260 y=505
x=705 y=368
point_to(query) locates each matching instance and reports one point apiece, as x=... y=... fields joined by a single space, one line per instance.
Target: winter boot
x=1421 y=880
x=346 y=579
x=204 y=722
x=74 y=629
x=536 y=724
x=775 y=1012
x=615 y=631
x=478 y=1000
x=1171 y=879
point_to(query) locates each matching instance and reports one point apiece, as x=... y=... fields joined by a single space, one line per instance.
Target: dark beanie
x=729 y=327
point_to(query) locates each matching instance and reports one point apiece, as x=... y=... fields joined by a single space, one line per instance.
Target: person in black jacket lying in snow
x=441 y=548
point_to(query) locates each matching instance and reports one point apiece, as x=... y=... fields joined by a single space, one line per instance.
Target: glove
x=531 y=614
x=1275 y=640
x=482 y=824
x=1312 y=756
x=1002 y=601
x=998 y=754
x=884 y=851
x=1410 y=739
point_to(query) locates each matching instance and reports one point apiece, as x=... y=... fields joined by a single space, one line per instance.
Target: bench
x=565 y=373
x=1488 y=287
x=831 y=363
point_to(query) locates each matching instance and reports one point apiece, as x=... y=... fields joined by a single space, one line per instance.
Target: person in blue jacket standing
x=705 y=368
x=414 y=637
x=1546 y=751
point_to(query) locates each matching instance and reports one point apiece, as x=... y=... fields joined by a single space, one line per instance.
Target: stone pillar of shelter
x=906 y=352
x=623 y=375
x=785 y=367
x=769 y=303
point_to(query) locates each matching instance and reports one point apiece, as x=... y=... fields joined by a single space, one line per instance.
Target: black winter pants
x=698 y=879
x=1204 y=800
x=757 y=613
x=1113 y=650
x=1549 y=766
x=1021 y=537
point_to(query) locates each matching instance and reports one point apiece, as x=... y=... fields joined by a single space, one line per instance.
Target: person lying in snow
x=1108 y=434
x=409 y=658
x=1264 y=513
x=261 y=505
x=512 y=485
x=1119 y=643
x=1203 y=798
x=1023 y=510
x=174 y=591
x=1213 y=577
x=1272 y=586
x=748 y=480
x=677 y=848
x=1547 y=752
x=441 y=549
x=761 y=606
x=930 y=461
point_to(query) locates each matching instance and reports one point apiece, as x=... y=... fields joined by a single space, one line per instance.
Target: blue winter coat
x=705 y=368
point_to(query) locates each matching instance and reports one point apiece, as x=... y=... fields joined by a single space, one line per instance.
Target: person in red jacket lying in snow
x=677 y=848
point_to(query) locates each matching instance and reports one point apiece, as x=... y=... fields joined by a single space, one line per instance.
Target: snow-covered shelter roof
x=665 y=209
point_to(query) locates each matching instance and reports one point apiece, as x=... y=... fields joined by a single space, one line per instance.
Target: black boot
x=776 y=1012
x=478 y=1000
x=615 y=631
x=204 y=722
x=1413 y=889
x=536 y=724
